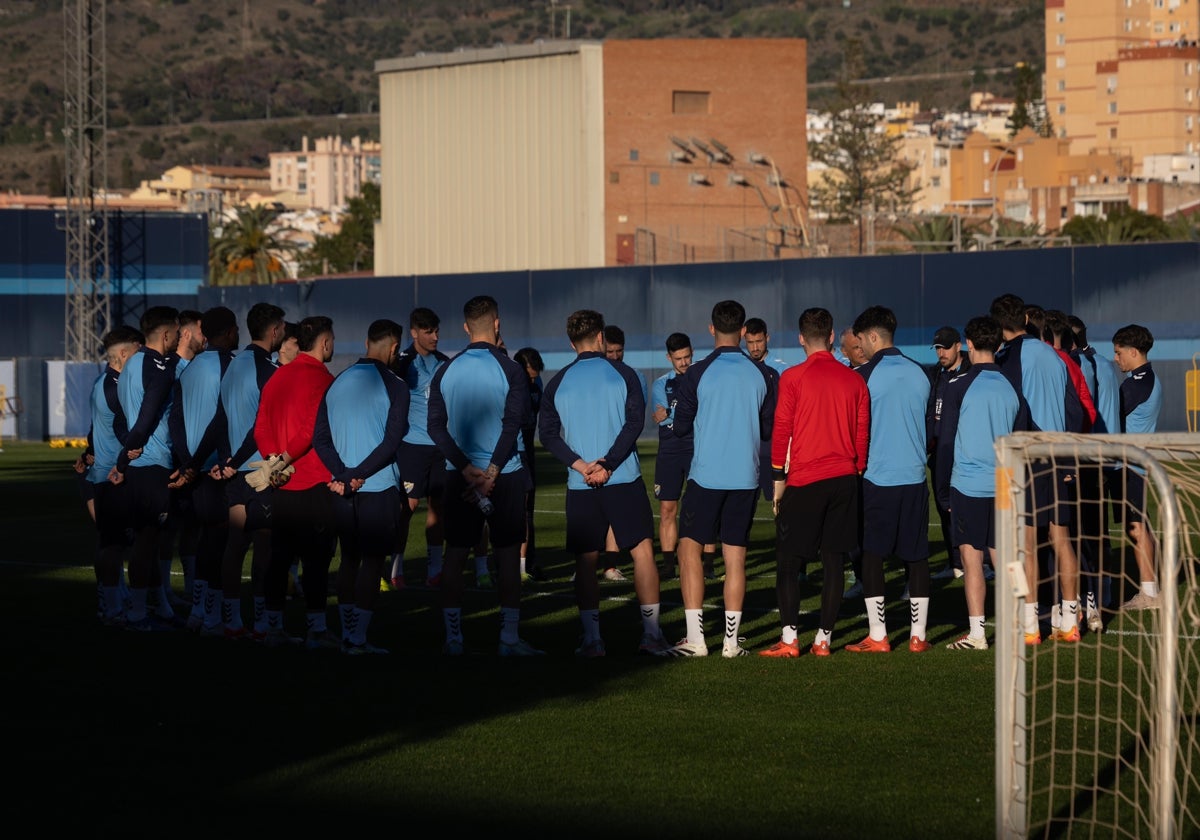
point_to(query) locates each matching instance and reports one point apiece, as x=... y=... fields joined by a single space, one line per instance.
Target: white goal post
x=1098 y=737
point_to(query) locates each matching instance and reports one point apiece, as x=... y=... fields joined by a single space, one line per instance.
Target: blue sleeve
x=177 y=428
x=397 y=428
x=158 y=384
x=322 y=442
x=120 y=426
x=516 y=409
x=550 y=423
x=659 y=397
x=635 y=419
x=439 y=422
x=685 y=402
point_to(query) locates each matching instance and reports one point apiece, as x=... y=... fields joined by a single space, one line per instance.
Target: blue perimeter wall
x=1107 y=286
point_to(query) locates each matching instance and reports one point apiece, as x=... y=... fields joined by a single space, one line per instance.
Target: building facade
x=327 y=175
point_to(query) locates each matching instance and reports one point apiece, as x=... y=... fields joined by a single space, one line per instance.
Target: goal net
x=1097 y=737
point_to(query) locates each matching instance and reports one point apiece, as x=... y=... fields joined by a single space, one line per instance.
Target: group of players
x=196 y=442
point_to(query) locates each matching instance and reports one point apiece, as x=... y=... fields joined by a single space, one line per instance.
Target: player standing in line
x=591 y=416
x=360 y=423
x=249 y=511
x=614 y=344
x=674 y=452
x=757 y=346
x=818 y=451
x=978 y=406
x=530 y=359
x=422 y=467
x=895 y=492
x=728 y=401
x=850 y=353
x=478 y=402
x=952 y=361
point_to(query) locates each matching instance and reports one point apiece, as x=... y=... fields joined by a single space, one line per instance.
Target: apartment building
x=328 y=174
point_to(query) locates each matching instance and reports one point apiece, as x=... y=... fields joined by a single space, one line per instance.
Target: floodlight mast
x=85 y=222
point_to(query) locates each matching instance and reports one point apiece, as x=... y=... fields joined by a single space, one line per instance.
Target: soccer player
x=144 y=390
x=1041 y=378
x=591 y=416
x=478 y=402
x=952 y=361
x=852 y=354
x=977 y=407
x=301 y=508
x=249 y=511
x=196 y=427
x=360 y=423
x=674 y=451
x=108 y=502
x=290 y=348
x=422 y=466
x=614 y=349
x=727 y=400
x=757 y=340
x=818 y=451
x=531 y=360
x=895 y=493
x=1141 y=402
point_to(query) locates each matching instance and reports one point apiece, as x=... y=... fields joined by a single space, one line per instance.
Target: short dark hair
x=157 y=317
x=677 y=341
x=123 y=334
x=383 y=328
x=480 y=307
x=815 y=325
x=585 y=323
x=217 y=321
x=614 y=335
x=1080 y=329
x=529 y=357
x=291 y=330
x=984 y=333
x=756 y=326
x=1035 y=320
x=1135 y=336
x=1057 y=326
x=1009 y=311
x=423 y=318
x=260 y=318
x=728 y=317
x=190 y=316
x=312 y=328
x=878 y=318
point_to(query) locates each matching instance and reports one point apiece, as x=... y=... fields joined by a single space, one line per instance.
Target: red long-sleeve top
x=1081 y=388
x=287 y=415
x=822 y=421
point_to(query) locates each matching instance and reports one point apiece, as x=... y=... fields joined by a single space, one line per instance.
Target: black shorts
x=591 y=512
x=1127 y=489
x=149 y=496
x=422 y=470
x=209 y=504
x=464 y=521
x=670 y=473
x=182 y=506
x=112 y=514
x=707 y=515
x=87 y=489
x=822 y=516
x=895 y=520
x=307 y=512
x=257 y=502
x=1050 y=497
x=973 y=520
x=368 y=523
x=766 y=478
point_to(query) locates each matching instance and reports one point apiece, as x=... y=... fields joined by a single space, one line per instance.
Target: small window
x=1061 y=85
x=1060 y=62
x=689 y=102
x=1112 y=107
x=614 y=177
x=935 y=181
x=1062 y=109
x=633 y=154
x=654 y=179
x=987 y=185
x=1060 y=17
x=1112 y=133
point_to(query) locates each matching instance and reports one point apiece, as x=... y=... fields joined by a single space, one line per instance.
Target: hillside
x=227 y=81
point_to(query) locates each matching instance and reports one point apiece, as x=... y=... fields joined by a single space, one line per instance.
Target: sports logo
x=657 y=489
x=408 y=487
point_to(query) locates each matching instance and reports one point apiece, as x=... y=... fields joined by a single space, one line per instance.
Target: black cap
x=945 y=338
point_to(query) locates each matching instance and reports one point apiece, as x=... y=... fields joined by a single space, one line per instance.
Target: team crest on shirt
x=657 y=488
x=408 y=487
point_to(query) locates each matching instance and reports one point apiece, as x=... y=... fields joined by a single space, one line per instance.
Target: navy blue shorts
x=896 y=520
x=257 y=503
x=670 y=474
x=369 y=523
x=1050 y=498
x=590 y=512
x=87 y=489
x=464 y=521
x=708 y=515
x=149 y=496
x=822 y=516
x=112 y=514
x=422 y=470
x=1127 y=489
x=209 y=504
x=973 y=520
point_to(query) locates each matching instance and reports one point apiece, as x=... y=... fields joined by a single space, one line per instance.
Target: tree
x=250 y=249
x=352 y=248
x=933 y=233
x=1029 y=108
x=1121 y=224
x=865 y=171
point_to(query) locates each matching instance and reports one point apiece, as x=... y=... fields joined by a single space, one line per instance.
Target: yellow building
x=327 y=175
x=1122 y=78
x=232 y=183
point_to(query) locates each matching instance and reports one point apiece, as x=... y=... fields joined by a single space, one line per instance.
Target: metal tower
x=85 y=222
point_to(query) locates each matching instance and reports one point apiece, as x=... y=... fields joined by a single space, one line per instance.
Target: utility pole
x=85 y=222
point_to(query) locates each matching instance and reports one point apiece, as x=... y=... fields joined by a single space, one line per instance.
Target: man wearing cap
x=951 y=362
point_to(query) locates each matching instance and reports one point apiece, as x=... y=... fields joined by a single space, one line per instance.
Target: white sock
x=733 y=621
x=111 y=598
x=825 y=636
x=694 y=619
x=976 y=622
x=590 y=619
x=199 y=590
x=650 y=615
x=260 y=613
x=137 y=597
x=346 y=616
x=315 y=622
x=918 y=610
x=789 y=634
x=214 y=603
x=231 y=613
x=1150 y=588
x=1070 y=615
x=1031 y=617
x=274 y=619
x=435 y=560
x=452 y=621
x=875 y=618
x=481 y=567
x=510 y=621
x=362 y=620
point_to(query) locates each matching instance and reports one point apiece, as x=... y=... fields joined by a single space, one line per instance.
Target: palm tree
x=932 y=233
x=1121 y=224
x=250 y=249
